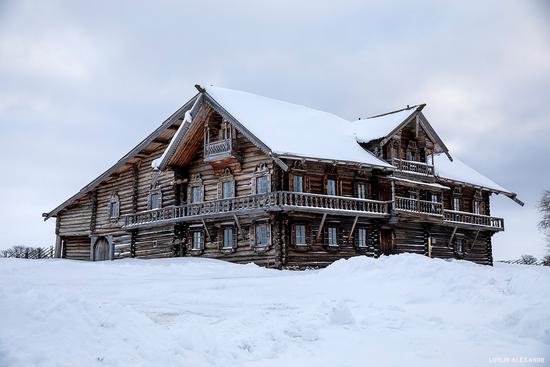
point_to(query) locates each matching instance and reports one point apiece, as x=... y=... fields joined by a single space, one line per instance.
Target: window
x=261 y=185
x=331 y=186
x=197 y=240
x=261 y=235
x=332 y=236
x=196 y=194
x=227 y=189
x=114 y=207
x=459 y=245
x=477 y=207
x=228 y=238
x=361 y=190
x=155 y=199
x=361 y=237
x=456 y=203
x=298 y=182
x=300 y=234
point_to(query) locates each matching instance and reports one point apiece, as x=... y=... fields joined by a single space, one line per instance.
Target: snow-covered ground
x=401 y=310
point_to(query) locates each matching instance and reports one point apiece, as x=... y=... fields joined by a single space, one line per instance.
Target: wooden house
x=244 y=178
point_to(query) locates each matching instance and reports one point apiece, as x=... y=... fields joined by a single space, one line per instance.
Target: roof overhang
x=131 y=154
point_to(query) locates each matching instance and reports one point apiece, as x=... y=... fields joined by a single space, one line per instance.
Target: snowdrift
x=397 y=310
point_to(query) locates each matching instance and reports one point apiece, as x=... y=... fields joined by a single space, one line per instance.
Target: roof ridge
x=419 y=107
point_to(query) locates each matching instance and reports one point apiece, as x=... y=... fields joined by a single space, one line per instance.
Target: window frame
x=200 y=234
x=301 y=182
x=225 y=230
x=328 y=230
x=363 y=185
x=358 y=238
x=459 y=245
x=267 y=233
x=262 y=170
x=335 y=181
x=114 y=202
x=295 y=234
x=258 y=186
x=152 y=193
x=457 y=203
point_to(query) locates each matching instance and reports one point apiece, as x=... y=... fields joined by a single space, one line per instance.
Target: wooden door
x=101 y=250
x=386 y=242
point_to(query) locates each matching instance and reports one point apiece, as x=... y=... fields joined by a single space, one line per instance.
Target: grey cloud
x=82 y=82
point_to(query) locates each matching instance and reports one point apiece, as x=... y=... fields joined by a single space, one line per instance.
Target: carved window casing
x=226 y=185
x=261 y=180
x=195 y=190
x=114 y=207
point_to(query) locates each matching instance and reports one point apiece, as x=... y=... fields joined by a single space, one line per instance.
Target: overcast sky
x=82 y=83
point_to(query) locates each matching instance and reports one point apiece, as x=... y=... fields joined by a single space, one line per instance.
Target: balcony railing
x=418 y=206
x=453 y=216
x=272 y=201
x=218 y=148
x=418 y=168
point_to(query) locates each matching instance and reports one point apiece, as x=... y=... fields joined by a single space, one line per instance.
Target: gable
x=157 y=139
x=378 y=130
x=285 y=130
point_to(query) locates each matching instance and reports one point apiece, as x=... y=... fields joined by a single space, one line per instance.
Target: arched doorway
x=101 y=249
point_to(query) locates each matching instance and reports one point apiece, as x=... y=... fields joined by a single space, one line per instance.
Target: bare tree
x=528 y=259
x=546 y=260
x=544 y=208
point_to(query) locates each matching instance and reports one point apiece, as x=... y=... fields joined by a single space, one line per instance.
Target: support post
x=321 y=227
x=353 y=227
x=452 y=236
x=206 y=230
x=58 y=244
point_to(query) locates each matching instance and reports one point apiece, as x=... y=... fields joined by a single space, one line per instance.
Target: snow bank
x=397 y=310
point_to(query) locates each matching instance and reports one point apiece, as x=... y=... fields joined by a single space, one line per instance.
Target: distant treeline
x=25 y=252
x=529 y=260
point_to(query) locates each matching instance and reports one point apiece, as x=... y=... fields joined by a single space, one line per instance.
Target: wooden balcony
x=415 y=206
x=473 y=220
x=218 y=150
x=413 y=167
x=250 y=204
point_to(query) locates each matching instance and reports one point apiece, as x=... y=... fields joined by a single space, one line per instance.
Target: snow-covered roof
x=372 y=128
x=456 y=170
x=293 y=130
